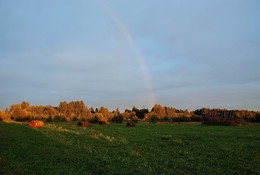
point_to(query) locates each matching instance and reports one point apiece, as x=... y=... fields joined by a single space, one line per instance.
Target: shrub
x=257 y=117
x=118 y=119
x=224 y=122
x=97 y=117
x=21 y=119
x=59 y=118
x=196 y=118
x=154 y=118
x=181 y=119
x=49 y=119
x=134 y=119
x=94 y=119
x=2 y=115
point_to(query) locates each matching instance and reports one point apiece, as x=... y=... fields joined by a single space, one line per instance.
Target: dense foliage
x=118 y=119
x=78 y=111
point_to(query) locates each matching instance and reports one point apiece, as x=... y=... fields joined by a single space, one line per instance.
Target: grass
x=63 y=148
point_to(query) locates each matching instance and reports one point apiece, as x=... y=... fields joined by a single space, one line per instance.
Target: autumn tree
x=98 y=117
x=88 y=113
x=140 y=113
x=159 y=110
x=116 y=113
x=2 y=115
x=79 y=108
x=50 y=111
x=92 y=110
x=201 y=111
x=25 y=105
x=18 y=113
x=170 y=112
x=152 y=117
x=63 y=107
x=126 y=115
x=106 y=113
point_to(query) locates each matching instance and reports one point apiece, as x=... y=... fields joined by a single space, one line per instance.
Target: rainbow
x=137 y=52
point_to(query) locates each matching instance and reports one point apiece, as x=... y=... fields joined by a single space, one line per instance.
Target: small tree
x=97 y=117
x=118 y=119
x=134 y=119
x=152 y=117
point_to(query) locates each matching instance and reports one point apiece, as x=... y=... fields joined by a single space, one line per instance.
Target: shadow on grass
x=25 y=150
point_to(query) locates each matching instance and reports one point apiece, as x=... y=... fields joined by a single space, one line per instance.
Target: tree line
x=78 y=111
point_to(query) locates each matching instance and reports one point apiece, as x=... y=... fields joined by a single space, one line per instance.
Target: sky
x=119 y=53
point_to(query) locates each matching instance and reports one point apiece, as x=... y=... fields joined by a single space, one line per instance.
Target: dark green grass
x=63 y=148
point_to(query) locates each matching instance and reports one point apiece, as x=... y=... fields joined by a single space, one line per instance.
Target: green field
x=63 y=148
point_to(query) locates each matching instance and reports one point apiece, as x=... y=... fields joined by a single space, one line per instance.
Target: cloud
x=203 y=53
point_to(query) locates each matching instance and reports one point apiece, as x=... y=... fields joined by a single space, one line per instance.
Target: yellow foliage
x=126 y=115
x=2 y=115
x=149 y=115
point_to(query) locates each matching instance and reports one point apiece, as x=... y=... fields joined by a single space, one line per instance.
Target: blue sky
x=203 y=53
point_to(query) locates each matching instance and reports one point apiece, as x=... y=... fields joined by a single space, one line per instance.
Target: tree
x=152 y=117
x=159 y=110
x=63 y=107
x=2 y=115
x=18 y=113
x=140 y=113
x=116 y=113
x=106 y=113
x=25 y=105
x=92 y=110
x=118 y=119
x=126 y=115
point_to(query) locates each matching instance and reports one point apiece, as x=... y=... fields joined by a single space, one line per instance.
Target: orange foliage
x=36 y=123
x=2 y=115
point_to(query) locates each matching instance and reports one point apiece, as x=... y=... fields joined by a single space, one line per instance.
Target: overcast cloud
x=203 y=53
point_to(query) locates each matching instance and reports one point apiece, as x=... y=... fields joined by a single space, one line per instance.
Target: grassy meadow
x=64 y=148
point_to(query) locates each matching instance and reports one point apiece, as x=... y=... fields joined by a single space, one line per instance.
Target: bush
x=134 y=119
x=97 y=117
x=74 y=118
x=49 y=119
x=23 y=119
x=154 y=118
x=196 y=118
x=94 y=119
x=181 y=119
x=118 y=119
x=2 y=115
x=224 y=122
x=257 y=117
x=59 y=118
